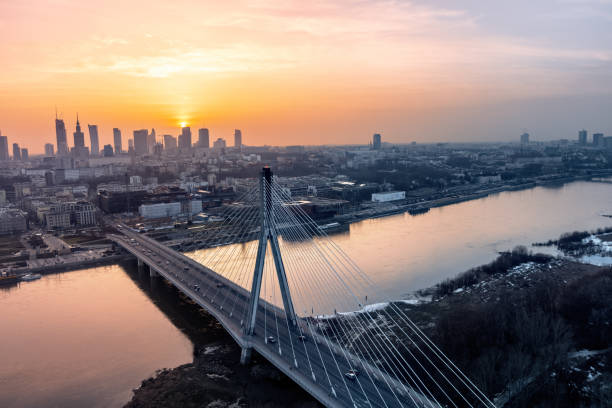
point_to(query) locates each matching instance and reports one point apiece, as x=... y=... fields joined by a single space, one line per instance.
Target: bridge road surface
x=227 y=302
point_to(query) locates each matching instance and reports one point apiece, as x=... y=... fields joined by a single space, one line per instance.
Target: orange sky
x=292 y=72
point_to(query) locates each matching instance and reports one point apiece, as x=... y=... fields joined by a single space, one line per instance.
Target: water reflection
x=402 y=253
x=83 y=338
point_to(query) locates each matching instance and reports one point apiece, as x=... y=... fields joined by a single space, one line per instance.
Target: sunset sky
x=307 y=72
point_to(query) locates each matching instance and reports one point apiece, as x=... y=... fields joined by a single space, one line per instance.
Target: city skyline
x=310 y=73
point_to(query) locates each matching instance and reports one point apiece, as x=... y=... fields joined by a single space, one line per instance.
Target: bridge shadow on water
x=215 y=373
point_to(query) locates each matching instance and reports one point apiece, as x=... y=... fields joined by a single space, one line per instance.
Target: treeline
x=502 y=264
x=517 y=347
x=570 y=239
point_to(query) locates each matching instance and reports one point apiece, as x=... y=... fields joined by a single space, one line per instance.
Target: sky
x=307 y=72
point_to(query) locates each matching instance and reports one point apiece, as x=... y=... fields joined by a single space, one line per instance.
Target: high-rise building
x=4 y=150
x=60 y=136
x=117 y=140
x=140 y=141
x=184 y=141
x=203 y=138
x=376 y=141
x=582 y=137
x=525 y=138
x=237 y=138
x=219 y=144
x=151 y=140
x=48 y=149
x=598 y=139
x=130 y=145
x=24 y=154
x=169 y=142
x=93 y=139
x=79 y=137
x=16 y=152
x=108 y=151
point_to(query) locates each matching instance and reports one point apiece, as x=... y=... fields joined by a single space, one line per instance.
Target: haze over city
x=308 y=72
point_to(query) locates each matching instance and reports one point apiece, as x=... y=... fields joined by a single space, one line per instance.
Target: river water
x=86 y=338
x=82 y=339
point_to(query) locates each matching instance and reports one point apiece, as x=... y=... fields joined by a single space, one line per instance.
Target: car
x=351 y=374
x=196 y=287
x=271 y=339
x=301 y=337
x=219 y=285
x=186 y=268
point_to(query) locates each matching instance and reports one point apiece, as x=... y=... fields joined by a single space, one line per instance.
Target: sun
x=183 y=124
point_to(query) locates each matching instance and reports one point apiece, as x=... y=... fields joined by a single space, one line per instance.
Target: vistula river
x=88 y=337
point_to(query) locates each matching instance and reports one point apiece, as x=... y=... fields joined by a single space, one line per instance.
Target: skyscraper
x=60 y=135
x=48 y=149
x=117 y=140
x=184 y=141
x=376 y=141
x=93 y=138
x=582 y=137
x=79 y=137
x=598 y=139
x=16 y=152
x=24 y=154
x=4 y=150
x=140 y=141
x=203 y=138
x=525 y=138
x=151 y=140
x=169 y=142
x=237 y=138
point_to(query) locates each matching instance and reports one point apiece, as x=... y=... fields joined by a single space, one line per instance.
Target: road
x=313 y=361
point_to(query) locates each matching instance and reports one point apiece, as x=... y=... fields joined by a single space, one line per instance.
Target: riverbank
x=387 y=209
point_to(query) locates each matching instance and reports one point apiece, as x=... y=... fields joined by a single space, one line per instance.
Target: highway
x=301 y=352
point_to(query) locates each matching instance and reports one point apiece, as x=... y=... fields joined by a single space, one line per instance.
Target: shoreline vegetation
x=531 y=330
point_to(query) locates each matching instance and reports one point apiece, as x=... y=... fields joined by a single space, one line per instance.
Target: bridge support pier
x=152 y=273
x=245 y=355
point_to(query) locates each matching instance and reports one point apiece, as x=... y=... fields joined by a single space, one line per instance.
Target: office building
x=598 y=139
x=376 y=141
x=4 y=150
x=169 y=142
x=151 y=140
x=237 y=138
x=184 y=141
x=79 y=137
x=117 y=141
x=93 y=139
x=16 y=152
x=203 y=138
x=582 y=137
x=60 y=136
x=140 y=141
x=219 y=144
x=525 y=138
x=12 y=221
x=49 y=149
x=130 y=145
x=388 y=196
x=24 y=154
x=108 y=151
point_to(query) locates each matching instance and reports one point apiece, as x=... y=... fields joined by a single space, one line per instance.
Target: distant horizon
x=308 y=72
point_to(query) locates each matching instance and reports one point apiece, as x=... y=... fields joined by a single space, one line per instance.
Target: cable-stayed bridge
x=280 y=286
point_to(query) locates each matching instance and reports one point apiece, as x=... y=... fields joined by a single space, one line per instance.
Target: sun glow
x=183 y=124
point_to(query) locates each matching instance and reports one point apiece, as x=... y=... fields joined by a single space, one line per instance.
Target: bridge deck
x=302 y=361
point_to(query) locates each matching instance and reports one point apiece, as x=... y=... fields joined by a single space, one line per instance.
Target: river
x=86 y=338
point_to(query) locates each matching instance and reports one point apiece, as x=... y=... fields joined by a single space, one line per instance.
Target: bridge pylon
x=267 y=235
